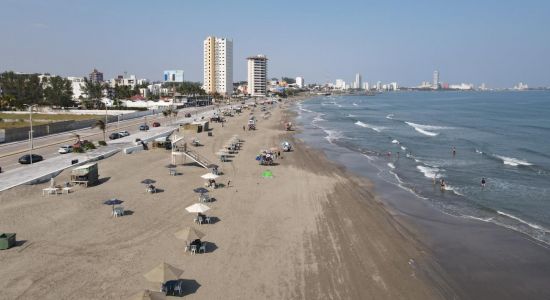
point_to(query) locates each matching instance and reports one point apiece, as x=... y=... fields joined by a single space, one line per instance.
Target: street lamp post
x=31 y=142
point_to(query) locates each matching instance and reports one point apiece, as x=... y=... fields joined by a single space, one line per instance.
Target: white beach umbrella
x=197 y=208
x=209 y=176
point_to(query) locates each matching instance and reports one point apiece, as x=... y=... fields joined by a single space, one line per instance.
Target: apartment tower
x=218 y=66
x=257 y=75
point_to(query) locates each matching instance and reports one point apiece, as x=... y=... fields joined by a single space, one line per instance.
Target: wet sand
x=310 y=232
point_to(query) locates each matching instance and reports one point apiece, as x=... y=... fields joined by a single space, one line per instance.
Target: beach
x=312 y=231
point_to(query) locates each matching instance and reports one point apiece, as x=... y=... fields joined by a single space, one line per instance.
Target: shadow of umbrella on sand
x=148 y=295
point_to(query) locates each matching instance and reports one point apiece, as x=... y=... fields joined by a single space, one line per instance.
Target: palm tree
x=101 y=125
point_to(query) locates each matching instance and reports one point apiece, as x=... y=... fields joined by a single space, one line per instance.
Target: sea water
x=409 y=138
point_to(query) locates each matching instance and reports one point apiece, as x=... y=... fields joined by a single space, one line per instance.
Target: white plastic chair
x=203 y=247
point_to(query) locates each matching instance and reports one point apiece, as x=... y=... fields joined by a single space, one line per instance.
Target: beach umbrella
x=148 y=181
x=189 y=234
x=209 y=176
x=220 y=153
x=197 y=208
x=200 y=190
x=113 y=202
x=163 y=273
x=267 y=174
x=148 y=295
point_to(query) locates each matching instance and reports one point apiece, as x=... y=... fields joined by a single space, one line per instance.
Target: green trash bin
x=7 y=240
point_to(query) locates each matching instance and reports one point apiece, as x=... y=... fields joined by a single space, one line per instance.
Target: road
x=47 y=146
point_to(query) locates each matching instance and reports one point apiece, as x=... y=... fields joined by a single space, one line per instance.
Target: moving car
x=26 y=159
x=124 y=133
x=156 y=124
x=65 y=149
x=115 y=135
x=143 y=127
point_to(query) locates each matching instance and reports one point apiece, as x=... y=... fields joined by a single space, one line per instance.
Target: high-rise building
x=96 y=76
x=218 y=65
x=366 y=86
x=257 y=75
x=340 y=84
x=435 y=83
x=358 y=80
x=300 y=82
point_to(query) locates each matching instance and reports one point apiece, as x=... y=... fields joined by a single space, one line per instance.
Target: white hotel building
x=218 y=66
x=257 y=75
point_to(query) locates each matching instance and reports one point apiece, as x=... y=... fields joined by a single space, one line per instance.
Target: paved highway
x=47 y=146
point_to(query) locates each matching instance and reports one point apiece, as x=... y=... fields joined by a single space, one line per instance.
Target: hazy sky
x=496 y=42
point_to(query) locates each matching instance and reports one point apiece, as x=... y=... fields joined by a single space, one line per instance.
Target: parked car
x=143 y=127
x=114 y=136
x=124 y=133
x=188 y=115
x=65 y=149
x=156 y=124
x=26 y=159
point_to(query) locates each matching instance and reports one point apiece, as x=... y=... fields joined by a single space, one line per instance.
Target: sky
x=499 y=43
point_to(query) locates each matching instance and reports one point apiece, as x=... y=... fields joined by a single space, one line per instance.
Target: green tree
x=102 y=126
x=93 y=92
x=58 y=92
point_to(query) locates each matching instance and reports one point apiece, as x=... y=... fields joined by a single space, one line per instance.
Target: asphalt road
x=47 y=146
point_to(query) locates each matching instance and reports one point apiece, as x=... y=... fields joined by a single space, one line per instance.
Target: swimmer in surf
x=483 y=182
x=442 y=184
x=454 y=151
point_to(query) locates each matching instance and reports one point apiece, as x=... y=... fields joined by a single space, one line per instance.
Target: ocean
x=408 y=138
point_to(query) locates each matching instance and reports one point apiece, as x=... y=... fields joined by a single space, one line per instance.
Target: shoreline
x=480 y=259
x=309 y=232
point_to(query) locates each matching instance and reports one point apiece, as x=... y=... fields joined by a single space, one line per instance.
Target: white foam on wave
x=535 y=226
x=479 y=151
x=422 y=129
x=355 y=104
x=365 y=125
x=429 y=172
x=390 y=116
x=318 y=118
x=391 y=165
x=452 y=189
x=305 y=109
x=479 y=219
x=351 y=116
x=395 y=142
x=513 y=161
x=333 y=135
x=403 y=148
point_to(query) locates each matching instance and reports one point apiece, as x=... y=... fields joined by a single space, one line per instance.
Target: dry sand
x=311 y=232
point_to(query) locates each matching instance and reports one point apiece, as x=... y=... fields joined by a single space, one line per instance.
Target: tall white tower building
x=300 y=82
x=218 y=65
x=435 y=83
x=357 y=84
x=257 y=75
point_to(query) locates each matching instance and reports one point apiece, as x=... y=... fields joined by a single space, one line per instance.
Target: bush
x=102 y=143
x=78 y=150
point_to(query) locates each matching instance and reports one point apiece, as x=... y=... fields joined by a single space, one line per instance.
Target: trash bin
x=7 y=240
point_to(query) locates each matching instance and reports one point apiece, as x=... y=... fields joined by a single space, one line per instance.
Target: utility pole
x=31 y=142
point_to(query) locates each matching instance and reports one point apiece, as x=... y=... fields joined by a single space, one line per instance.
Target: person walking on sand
x=244 y=128
x=483 y=182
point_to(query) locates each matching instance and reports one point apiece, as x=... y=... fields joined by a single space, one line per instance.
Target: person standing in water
x=454 y=151
x=442 y=184
x=483 y=182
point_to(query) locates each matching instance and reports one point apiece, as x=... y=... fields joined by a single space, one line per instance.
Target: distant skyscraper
x=96 y=76
x=340 y=84
x=358 y=80
x=218 y=65
x=300 y=82
x=366 y=86
x=257 y=75
x=435 y=83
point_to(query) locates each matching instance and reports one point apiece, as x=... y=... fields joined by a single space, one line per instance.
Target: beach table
x=67 y=189
x=49 y=191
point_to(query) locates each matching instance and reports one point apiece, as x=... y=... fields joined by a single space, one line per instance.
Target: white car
x=124 y=133
x=65 y=149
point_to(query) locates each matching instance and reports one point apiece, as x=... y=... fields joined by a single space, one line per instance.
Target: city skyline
x=496 y=45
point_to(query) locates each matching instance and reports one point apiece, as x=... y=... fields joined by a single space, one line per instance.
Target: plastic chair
x=203 y=247
x=193 y=249
x=207 y=220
